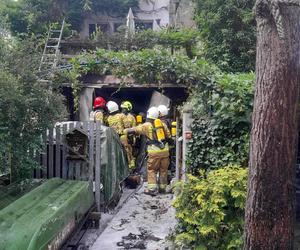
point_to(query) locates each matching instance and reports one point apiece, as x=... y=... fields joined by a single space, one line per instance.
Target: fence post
x=44 y=157
x=50 y=160
x=98 y=165
x=64 y=154
x=177 y=176
x=91 y=151
x=57 y=151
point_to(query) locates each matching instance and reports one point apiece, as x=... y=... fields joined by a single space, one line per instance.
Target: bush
x=222 y=123
x=27 y=107
x=179 y=41
x=210 y=209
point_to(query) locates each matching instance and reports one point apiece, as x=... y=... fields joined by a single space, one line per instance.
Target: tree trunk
x=270 y=200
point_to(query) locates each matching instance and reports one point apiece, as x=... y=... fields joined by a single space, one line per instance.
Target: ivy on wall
x=144 y=66
x=222 y=123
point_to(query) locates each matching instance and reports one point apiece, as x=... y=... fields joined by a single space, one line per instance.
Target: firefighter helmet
x=126 y=105
x=163 y=110
x=152 y=113
x=99 y=102
x=112 y=106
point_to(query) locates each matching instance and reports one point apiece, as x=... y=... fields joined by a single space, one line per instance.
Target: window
x=144 y=25
x=103 y=27
x=92 y=28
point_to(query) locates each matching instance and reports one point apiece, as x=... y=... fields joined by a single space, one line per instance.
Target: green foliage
x=26 y=107
x=35 y=16
x=177 y=39
x=210 y=209
x=173 y=39
x=222 y=122
x=144 y=66
x=228 y=31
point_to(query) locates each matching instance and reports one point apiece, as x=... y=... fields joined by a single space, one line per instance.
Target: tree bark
x=270 y=200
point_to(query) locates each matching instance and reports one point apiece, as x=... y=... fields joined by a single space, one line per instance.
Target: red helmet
x=99 y=102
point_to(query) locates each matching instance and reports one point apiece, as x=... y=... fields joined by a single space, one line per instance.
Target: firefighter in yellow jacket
x=129 y=122
x=116 y=120
x=158 y=161
x=98 y=113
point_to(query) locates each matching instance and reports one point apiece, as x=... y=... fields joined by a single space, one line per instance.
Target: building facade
x=151 y=14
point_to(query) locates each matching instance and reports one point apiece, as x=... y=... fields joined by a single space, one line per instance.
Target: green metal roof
x=44 y=215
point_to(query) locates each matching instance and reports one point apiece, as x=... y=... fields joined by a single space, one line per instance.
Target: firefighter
x=126 y=107
x=163 y=114
x=116 y=120
x=129 y=122
x=98 y=112
x=158 y=161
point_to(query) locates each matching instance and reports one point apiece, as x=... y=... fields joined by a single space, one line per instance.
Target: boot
x=152 y=192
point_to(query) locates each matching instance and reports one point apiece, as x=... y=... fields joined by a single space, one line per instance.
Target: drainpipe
x=187 y=120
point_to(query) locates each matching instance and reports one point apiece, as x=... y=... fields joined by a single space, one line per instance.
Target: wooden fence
x=5 y=158
x=55 y=161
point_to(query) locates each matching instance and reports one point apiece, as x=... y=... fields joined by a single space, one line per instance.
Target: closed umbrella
x=130 y=25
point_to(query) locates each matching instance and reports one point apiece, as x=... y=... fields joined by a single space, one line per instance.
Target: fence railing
x=63 y=160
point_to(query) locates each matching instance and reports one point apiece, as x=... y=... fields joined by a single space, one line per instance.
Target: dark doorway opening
x=141 y=97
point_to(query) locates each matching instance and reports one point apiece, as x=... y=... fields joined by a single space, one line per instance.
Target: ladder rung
x=55 y=31
x=51 y=46
x=47 y=63
x=54 y=38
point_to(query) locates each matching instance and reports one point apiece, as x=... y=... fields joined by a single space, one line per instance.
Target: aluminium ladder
x=51 y=53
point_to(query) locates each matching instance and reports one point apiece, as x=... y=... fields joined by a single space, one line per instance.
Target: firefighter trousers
x=128 y=149
x=158 y=164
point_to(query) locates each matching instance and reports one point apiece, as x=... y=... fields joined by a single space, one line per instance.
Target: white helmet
x=152 y=113
x=112 y=106
x=163 y=110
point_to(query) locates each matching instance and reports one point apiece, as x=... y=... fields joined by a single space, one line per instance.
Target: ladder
x=51 y=53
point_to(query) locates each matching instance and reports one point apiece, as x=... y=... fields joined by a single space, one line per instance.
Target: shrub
x=27 y=107
x=210 y=209
x=221 y=124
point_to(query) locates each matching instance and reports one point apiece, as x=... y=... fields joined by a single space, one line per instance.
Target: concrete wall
x=99 y=19
x=182 y=13
x=154 y=10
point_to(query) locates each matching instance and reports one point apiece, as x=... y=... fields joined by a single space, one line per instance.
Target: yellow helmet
x=126 y=105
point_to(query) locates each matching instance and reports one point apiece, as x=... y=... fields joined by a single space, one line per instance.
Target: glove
x=129 y=131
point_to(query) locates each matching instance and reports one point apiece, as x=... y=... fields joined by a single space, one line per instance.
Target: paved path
x=144 y=222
